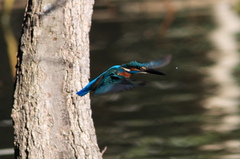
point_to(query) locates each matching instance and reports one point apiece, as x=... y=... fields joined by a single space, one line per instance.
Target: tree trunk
x=50 y=120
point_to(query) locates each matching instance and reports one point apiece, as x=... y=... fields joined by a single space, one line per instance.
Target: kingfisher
x=117 y=78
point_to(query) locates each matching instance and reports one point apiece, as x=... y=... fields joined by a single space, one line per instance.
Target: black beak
x=152 y=71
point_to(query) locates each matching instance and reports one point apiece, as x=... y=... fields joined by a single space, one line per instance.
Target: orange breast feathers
x=125 y=74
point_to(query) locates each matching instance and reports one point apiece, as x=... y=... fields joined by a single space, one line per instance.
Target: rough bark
x=50 y=120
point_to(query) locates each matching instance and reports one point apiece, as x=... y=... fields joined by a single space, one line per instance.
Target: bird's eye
x=138 y=67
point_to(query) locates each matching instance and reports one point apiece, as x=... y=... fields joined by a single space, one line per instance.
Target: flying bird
x=117 y=78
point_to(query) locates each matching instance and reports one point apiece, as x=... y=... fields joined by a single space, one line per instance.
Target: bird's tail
x=88 y=88
x=83 y=92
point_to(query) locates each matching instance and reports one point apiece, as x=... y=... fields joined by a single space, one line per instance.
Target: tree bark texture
x=50 y=120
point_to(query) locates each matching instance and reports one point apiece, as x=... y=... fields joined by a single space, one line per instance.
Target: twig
x=104 y=150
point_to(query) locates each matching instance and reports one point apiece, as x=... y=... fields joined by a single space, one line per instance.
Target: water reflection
x=225 y=102
x=228 y=92
x=169 y=117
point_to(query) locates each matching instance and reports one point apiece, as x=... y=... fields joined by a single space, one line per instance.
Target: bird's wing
x=158 y=63
x=115 y=83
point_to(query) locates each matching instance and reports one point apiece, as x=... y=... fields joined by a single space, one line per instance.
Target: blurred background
x=192 y=113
